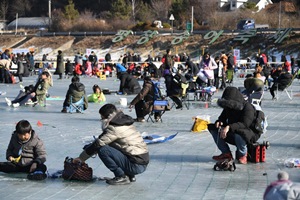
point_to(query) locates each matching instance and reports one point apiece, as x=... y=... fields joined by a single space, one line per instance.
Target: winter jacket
x=193 y=69
x=146 y=95
x=60 y=67
x=122 y=135
x=76 y=91
x=42 y=89
x=21 y=68
x=95 y=98
x=31 y=151
x=168 y=61
x=238 y=114
x=128 y=84
x=283 y=80
x=282 y=190
x=69 y=68
x=120 y=68
x=5 y=63
x=253 y=85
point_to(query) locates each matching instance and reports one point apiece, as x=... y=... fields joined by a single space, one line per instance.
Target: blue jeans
x=22 y=98
x=232 y=138
x=119 y=163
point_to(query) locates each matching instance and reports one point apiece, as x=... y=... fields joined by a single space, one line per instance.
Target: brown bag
x=77 y=171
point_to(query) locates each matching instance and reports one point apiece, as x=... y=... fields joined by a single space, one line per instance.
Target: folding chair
x=205 y=93
x=76 y=106
x=288 y=89
x=158 y=106
x=256 y=97
x=183 y=97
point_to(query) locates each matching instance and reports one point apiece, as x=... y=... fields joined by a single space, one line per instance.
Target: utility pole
x=192 y=20
x=279 y=18
x=49 y=10
x=16 y=23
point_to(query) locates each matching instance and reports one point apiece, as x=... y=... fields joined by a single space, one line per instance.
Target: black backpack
x=259 y=124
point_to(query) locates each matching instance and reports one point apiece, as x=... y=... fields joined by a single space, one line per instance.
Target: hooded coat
x=119 y=133
x=282 y=190
x=238 y=114
x=146 y=94
x=32 y=150
x=76 y=91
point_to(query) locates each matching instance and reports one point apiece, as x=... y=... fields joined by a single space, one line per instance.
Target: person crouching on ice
x=234 y=125
x=120 y=146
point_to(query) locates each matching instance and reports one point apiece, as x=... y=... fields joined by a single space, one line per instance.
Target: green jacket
x=76 y=91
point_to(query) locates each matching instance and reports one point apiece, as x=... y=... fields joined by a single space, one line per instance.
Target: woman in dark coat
x=21 y=68
x=143 y=101
x=60 y=64
x=234 y=125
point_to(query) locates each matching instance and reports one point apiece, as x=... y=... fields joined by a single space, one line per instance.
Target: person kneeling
x=120 y=147
x=234 y=125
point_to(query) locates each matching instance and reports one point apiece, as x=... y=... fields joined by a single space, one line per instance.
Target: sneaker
x=123 y=180
x=64 y=110
x=243 y=159
x=139 y=120
x=158 y=119
x=15 y=105
x=29 y=102
x=132 y=178
x=8 y=101
x=37 y=175
x=223 y=156
x=178 y=107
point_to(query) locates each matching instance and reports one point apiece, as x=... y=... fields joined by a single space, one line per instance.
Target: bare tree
x=22 y=7
x=161 y=8
x=3 y=9
x=204 y=9
x=133 y=7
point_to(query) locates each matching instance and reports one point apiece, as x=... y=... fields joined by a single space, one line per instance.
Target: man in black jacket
x=234 y=125
x=128 y=84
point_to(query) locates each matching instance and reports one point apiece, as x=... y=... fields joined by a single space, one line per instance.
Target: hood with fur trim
x=232 y=99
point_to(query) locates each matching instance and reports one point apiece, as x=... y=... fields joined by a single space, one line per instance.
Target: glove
x=33 y=167
x=91 y=148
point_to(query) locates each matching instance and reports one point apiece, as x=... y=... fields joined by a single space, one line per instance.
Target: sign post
x=172 y=19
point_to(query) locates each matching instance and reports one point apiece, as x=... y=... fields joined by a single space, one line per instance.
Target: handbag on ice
x=76 y=171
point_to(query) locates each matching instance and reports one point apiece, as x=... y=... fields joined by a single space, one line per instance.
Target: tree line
x=102 y=15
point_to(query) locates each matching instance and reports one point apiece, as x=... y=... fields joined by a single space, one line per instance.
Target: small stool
x=102 y=77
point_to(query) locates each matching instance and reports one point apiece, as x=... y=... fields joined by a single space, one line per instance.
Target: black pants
x=141 y=111
x=176 y=100
x=10 y=167
x=20 y=77
x=2 y=73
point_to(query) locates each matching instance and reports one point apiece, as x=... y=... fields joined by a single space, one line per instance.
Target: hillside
x=193 y=46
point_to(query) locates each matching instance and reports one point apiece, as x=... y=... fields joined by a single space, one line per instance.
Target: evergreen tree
x=70 y=12
x=121 y=9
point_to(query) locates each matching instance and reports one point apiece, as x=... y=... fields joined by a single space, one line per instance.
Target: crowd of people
x=120 y=146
